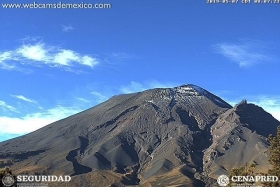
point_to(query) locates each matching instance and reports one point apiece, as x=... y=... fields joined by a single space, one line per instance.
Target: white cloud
x=5 y=56
x=245 y=54
x=67 y=28
x=21 y=97
x=5 y=106
x=34 y=121
x=10 y=56
x=41 y=53
x=88 y=61
x=65 y=57
x=37 y=52
x=138 y=87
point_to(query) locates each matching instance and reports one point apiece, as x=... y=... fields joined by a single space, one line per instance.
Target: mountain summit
x=159 y=137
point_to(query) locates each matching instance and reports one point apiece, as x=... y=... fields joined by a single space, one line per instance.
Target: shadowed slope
x=240 y=137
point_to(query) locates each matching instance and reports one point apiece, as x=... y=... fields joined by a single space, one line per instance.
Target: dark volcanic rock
x=144 y=138
x=240 y=138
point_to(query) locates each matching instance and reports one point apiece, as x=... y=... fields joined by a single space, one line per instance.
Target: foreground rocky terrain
x=182 y=136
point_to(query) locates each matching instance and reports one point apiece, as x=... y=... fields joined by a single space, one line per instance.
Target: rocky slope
x=180 y=136
x=239 y=138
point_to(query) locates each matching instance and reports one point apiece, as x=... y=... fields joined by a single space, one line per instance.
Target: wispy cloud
x=5 y=106
x=118 y=57
x=31 y=39
x=83 y=99
x=42 y=54
x=5 y=56
x=245 y=54
x=34 y=121
x=21 y=97
x=67 y=28
x=121 y=56
x=99 y=97
x=138 y=87
x=132 y=87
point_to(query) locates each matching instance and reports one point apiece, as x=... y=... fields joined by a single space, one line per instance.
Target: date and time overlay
x=243 y=1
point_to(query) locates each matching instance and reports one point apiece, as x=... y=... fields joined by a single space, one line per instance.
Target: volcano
x=181 y=136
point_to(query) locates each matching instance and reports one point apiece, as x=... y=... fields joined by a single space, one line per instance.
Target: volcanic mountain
x=182 y=136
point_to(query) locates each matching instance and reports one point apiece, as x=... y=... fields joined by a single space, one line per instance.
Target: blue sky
x=57 y=62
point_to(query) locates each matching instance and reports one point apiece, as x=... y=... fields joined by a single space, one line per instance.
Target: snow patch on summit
x=190 y=90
